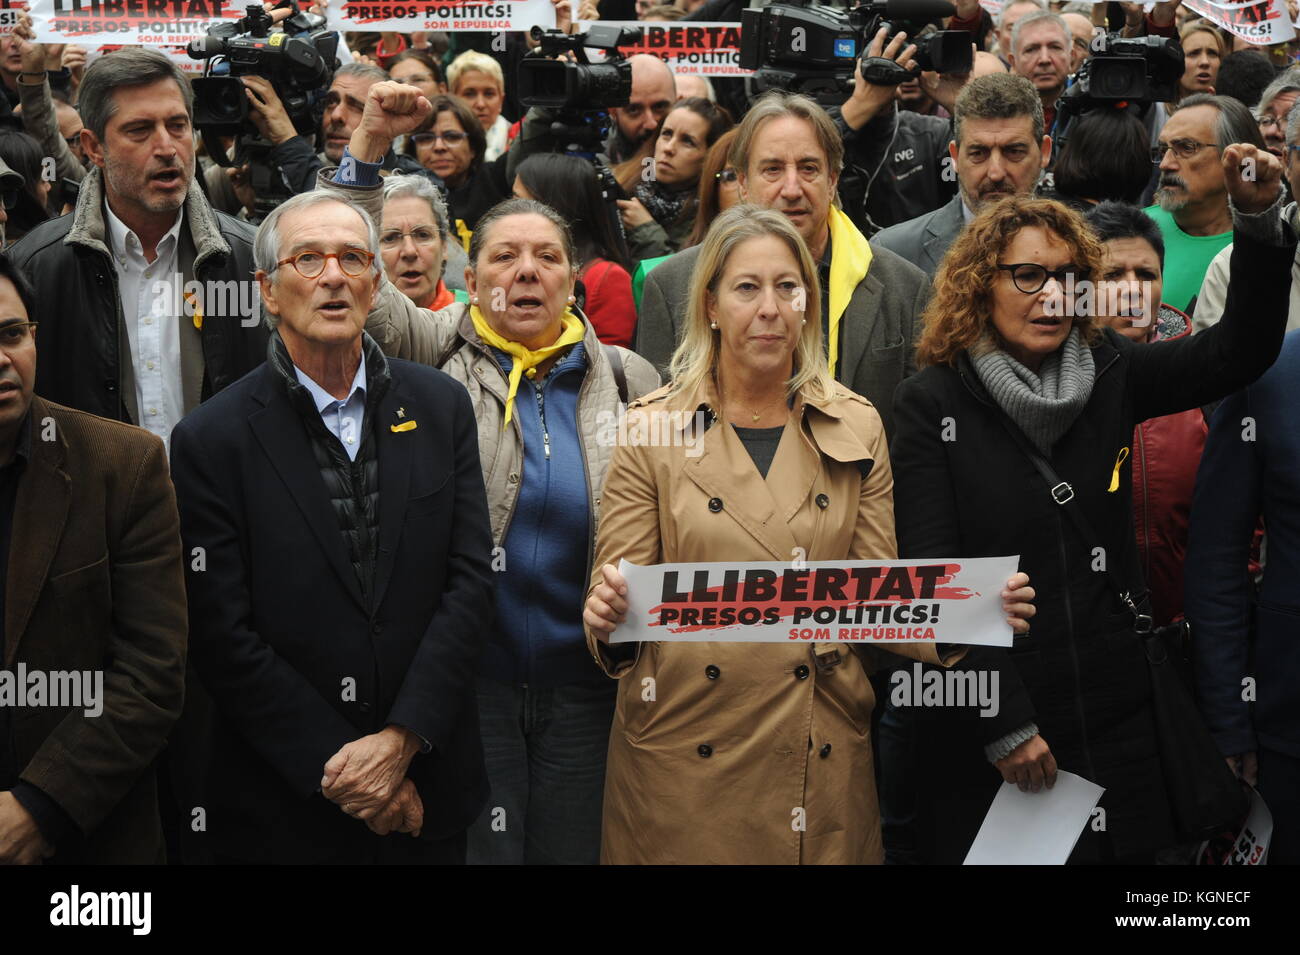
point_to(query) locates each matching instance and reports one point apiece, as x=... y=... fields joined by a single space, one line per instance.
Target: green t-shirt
x=1187 y=257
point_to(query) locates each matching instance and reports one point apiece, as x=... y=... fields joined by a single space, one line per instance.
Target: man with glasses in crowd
x=1191 y=197
x=346 y=727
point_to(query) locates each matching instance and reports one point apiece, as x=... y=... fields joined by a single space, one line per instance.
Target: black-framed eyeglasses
x=1031 y=277
x=422 y=236
x=1265 y=121
x=18 y=333
x=311 y=262
x=452 y=137
x=726 y=176
x=1183 y=149
x=74 y=142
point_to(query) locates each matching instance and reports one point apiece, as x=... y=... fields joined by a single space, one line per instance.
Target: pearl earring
x=804 y=322
x=572 y=299
x=473 y=299
x=713 y=325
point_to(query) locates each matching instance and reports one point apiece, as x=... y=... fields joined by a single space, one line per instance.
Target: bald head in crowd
x=986 y=64
x=653 y=93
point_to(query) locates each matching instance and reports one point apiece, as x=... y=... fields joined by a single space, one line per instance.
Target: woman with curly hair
x=1016 y=369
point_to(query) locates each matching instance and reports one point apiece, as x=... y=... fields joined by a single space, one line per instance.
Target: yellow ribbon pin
x=1114 y=476
x=404 y=426
x=193 y=300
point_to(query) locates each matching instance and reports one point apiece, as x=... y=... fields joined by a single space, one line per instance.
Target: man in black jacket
x=336 y=618
x=145 y=296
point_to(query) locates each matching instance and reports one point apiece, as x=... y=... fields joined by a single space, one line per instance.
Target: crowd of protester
x=344 y=539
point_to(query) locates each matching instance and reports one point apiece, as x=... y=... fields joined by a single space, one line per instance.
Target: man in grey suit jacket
x=1000 y=150
x=788 y=154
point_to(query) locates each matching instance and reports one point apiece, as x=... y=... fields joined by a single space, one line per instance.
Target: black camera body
x=1137 y=70
x=815 y=49
x=299 y=62
x=577 y=84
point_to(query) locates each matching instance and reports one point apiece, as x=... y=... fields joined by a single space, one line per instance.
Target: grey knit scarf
x=1044 y=405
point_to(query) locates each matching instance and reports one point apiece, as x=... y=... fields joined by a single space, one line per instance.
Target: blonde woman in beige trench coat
x=747 y=753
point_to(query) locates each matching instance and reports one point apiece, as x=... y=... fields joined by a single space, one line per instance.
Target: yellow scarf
x=850 y=260
x=525 y=361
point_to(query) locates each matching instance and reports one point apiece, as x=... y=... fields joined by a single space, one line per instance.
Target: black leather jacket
x=79 y=305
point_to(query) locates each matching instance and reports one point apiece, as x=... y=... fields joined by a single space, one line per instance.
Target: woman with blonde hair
x=1016 y=438
x=1203 y=51
x=747 y=753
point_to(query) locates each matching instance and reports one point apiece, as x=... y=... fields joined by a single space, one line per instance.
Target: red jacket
x=1166 y=455
x=609 y=301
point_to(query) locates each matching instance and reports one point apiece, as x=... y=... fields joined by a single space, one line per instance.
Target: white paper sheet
x=1035 y=828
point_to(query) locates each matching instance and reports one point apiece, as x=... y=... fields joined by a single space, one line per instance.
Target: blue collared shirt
x=343 y=418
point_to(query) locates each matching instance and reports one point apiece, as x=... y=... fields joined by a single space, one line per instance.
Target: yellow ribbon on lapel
x=850 y=260
x=525 y=362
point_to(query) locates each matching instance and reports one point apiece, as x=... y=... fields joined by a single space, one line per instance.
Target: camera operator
x=292 y=152
x=999 y=148
x=916 y=175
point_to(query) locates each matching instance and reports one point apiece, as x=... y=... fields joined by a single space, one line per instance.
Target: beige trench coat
x=747 y=753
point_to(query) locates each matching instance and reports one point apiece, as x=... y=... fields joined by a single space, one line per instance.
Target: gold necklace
x=759 y=413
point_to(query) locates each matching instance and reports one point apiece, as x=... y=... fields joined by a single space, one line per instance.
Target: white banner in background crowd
x=158 y=23
x=1262 y=22
x=9 y=10
x=879 y=602
x=707 y=49
x=465 y=16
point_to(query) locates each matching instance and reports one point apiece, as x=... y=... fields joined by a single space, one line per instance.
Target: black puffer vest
x=353 y=486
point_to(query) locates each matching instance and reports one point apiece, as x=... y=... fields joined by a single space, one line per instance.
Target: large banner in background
x=464 y=16
x=1262 y=22
x=9 y=10
x=882 y=602
x=707 y=49
x=157 y=23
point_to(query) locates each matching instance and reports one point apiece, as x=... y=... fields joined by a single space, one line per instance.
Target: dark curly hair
x=960 y=314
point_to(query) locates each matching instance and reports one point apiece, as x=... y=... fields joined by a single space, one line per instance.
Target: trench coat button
x=514 y=477
x=823 y=501
x=824 y=751
x=715 y=504
x=801 y=671
x=705 y=750
x=712 y=672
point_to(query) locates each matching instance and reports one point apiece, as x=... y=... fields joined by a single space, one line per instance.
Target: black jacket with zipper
x=963 y=488
x=79 y=303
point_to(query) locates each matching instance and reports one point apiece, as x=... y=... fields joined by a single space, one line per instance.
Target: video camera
x=814 y=49
x=298 y=60
x=1122 y=73
x=583 y=85
x=581 y=92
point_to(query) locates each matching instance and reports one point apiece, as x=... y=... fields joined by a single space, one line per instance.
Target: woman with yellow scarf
x=547 y=396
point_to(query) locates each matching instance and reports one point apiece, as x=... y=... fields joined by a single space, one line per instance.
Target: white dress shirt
x=343 y=417
x=152 y=323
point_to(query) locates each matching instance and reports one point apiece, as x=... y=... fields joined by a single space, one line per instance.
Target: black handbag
x=1204 y=795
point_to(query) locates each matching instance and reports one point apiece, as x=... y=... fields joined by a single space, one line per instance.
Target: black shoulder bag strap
x=1063 y=494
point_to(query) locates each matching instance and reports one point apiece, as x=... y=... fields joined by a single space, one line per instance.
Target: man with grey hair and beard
x=1192 y=206
x=138 y=288
x=1214 y=291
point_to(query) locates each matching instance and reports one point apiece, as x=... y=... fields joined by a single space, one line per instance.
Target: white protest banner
x=1261 y=22
x=9 y=10
x=863 y=601
x=711 y=49
x=464 y=16
x=155 y=23
x=177 y=54
x=994 y=7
